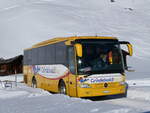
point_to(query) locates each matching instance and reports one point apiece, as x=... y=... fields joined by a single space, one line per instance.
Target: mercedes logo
x=105 y=85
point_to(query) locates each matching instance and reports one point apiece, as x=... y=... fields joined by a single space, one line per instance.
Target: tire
x=126 y=91
x=62 y=88
x=34 y=83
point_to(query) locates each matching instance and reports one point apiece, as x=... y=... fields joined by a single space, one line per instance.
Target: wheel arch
x=59 y=85
x=33 y=78
x=61 y=80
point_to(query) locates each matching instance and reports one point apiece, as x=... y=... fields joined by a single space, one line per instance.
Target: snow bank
x=141 y=82
x=139 y=89
x=6 y=94
x=21 y=90
x=121 y=110
x=139 y=94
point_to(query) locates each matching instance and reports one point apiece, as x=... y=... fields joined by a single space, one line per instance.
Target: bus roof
x=60 y=39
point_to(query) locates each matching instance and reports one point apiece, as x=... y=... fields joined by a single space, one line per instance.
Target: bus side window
x=71 y=60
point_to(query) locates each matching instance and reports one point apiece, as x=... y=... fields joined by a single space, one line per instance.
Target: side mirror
x=130 y=49
x=78 y=49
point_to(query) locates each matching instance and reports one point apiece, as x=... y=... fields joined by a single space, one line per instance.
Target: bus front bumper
x=91 y=92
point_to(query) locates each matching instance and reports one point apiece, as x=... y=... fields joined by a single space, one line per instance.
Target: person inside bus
x=101 y=60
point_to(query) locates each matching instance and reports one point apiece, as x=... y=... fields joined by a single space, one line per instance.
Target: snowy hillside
x=26 y=22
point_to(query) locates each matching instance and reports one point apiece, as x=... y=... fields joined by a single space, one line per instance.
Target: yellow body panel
x=100 y=90
x=73 y=87
x=44 y=83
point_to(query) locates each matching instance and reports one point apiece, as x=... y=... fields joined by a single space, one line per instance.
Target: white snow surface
x=22 y=98
x=26 y=22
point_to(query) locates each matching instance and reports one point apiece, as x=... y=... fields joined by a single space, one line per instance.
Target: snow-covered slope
x=26 y=22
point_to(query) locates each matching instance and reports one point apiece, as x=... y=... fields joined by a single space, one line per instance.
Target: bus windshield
x=100 y=58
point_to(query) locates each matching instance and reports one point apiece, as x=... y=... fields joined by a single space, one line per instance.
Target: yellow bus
x=80 y=66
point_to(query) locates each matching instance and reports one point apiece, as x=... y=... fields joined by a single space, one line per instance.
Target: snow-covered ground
x=26 y=22
x=24 y=99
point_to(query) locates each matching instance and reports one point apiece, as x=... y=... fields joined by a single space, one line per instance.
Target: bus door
x=72 y=83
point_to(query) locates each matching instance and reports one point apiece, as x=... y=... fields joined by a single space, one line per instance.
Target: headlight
x=85 y=86
x=122 y=83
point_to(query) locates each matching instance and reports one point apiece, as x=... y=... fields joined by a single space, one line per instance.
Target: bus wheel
x=126 y=91
x=62 y=87
x=34 y=83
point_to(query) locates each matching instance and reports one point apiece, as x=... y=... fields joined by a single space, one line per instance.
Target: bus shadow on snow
x=103 y=98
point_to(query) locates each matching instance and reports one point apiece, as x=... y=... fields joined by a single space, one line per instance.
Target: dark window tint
x=60 y=53
x=41 y=53
x=71 y=60
x=27 y=57
x=35 y=56
x=50 y=54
